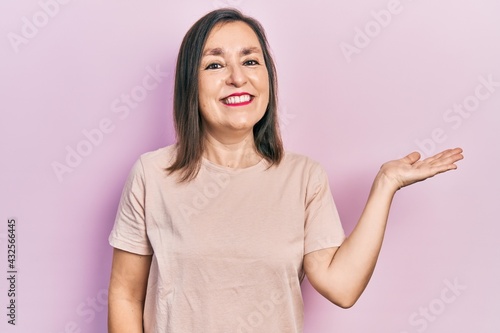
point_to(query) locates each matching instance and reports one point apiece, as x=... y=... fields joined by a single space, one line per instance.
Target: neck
x=236 y=153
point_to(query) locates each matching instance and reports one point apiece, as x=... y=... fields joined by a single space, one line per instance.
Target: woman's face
x=233 y=81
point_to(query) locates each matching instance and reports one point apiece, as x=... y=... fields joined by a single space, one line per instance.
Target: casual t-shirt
x=227 y=246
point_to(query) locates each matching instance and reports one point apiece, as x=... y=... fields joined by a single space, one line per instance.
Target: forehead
x=232 y=35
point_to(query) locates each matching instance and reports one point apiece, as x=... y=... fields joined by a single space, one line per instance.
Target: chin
x=242 y=127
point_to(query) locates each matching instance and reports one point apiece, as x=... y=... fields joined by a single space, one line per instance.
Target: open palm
x=410 y=169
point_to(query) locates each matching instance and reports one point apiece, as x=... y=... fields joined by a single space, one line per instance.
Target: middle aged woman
x=216 y=232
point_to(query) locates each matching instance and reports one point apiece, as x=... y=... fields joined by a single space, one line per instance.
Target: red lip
x=238 y=94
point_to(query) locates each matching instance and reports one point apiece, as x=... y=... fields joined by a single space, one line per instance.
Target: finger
x=444 y=155
x=443 y=164
x=451 y=152
x=450 y=157
x=411 y=158
x=439 y=155
x=446 y=164
x=443 y=168
x=431 y=159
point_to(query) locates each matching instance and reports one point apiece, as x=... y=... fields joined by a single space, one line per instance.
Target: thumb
x=412 y=158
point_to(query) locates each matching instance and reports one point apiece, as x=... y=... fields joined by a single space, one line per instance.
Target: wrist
x=386 y=184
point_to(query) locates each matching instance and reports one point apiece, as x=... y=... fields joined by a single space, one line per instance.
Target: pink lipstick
x=238 y=99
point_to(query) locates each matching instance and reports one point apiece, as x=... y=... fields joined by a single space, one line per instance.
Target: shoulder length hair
x=187 y=118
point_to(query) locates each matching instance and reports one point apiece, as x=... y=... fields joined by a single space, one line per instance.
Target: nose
x=236 y=76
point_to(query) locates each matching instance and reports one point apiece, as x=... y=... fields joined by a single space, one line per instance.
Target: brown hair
x=187 y=118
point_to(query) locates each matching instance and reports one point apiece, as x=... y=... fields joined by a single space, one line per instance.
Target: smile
x=239 y=100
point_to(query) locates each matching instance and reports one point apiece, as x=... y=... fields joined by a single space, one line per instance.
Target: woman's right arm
x=127 y=291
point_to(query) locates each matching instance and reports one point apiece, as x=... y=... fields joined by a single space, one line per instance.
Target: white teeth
x=237 y=99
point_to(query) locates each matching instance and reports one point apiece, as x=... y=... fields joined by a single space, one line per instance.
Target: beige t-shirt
x=228 y=246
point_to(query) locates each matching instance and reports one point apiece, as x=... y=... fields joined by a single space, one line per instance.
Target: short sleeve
x=323 y=228
x=129 y=231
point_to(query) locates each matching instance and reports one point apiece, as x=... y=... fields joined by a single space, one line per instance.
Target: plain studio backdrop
x=86 y=87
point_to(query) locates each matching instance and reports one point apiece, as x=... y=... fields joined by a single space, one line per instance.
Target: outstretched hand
x=410 y=169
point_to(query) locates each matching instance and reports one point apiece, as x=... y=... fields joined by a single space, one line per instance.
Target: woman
x=216 y=232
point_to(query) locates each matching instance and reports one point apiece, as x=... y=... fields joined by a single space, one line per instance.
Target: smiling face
x=233 y=81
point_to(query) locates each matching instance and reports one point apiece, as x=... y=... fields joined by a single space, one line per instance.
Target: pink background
x=350 y=112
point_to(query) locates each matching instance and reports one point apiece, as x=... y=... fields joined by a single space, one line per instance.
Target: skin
x=339 y=274
x=127 y=291
x=239 y=67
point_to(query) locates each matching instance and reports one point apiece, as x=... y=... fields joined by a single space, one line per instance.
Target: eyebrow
x=217 y=51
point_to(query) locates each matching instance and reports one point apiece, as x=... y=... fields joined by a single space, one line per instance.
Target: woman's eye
x=251 y=62
x=214 y=66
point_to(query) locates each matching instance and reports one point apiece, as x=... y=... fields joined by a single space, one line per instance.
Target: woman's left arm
x=341 y=274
